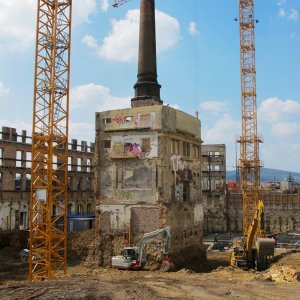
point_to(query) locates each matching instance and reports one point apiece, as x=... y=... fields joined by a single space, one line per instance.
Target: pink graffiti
x=135 y=149
x=118 y=119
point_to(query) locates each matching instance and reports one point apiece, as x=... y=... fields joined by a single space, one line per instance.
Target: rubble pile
x=285 y=273
x=79 y=244
x=108 y=245
x=153 y=254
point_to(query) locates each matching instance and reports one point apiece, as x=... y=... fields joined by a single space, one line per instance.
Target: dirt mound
x=79 y=244
x=108 y=246
x=285 y=268
x=17 y=239
x=282 y=274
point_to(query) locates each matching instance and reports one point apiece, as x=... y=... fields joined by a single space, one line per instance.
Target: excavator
x=132 y=258
x=254 y=250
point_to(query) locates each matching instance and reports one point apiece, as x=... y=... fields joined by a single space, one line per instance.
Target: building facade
x=148 y=174
x=15 y=178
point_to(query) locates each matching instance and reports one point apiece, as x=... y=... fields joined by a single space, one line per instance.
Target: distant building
x=15 y=179
x=233 y=185
x=213 y=170
x=289 y=185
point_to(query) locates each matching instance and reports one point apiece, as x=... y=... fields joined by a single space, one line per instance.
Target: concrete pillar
x=147 y=89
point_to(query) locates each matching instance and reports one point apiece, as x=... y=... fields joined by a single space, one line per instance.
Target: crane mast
x=249 y=140
x=48 y=199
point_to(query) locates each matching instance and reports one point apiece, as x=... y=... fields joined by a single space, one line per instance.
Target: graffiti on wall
x=181 y=169
x=142 y=120
x=143 y=146
x=124 y=195
x=135 y=150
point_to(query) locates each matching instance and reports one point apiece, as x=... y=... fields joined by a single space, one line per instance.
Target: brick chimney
x=147 y=89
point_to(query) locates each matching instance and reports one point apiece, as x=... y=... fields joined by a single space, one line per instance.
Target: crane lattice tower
x=249 y=140
x=48 y=200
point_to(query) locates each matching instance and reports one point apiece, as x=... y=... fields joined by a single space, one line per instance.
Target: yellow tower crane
x=48 y=199
x=249 y=141
x=253 y=249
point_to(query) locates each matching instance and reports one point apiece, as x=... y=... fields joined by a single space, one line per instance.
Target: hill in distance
x=267 y=174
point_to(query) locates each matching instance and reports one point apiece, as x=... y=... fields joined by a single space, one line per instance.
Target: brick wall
x=144 y=219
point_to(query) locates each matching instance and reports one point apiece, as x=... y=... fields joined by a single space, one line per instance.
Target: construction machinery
x=48 y=199
x=253 y=249
x=132 y=258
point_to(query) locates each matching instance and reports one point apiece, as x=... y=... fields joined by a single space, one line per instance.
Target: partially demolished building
x=148 y=162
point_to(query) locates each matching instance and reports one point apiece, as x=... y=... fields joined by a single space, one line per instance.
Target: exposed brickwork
x=105 y=222
x=15 y=169
x=144 y=219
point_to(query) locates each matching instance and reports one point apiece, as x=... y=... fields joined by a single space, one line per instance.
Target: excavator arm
x=254 y=230
x=147 y=237
x=254 y=250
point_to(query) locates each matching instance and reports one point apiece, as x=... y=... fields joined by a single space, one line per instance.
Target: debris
x=282 y=274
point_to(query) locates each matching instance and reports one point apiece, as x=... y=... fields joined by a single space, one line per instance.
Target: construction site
x=143 y=211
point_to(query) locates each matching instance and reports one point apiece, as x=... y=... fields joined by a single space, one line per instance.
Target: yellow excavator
x=253 y=250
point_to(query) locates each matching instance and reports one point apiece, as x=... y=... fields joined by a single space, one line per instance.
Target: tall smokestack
x=147 y=89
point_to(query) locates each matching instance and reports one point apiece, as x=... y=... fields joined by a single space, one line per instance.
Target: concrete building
x=148 y=162
x=15 y=178
x=213 y=184
x=213 y=173
x=148 y=173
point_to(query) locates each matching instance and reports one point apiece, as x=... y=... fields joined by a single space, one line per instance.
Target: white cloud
x=281 y=2
x=214 y=106
x=283 y=129
x=122 y=43
x=104 y=5
x=18 y=22
x=82 y=10
x=282 y=13
x=4 y=91
x=293 y=15
x=175 y=106
x=90 y=41
x=193 y=28
x=84 y=131
x=95 y=98
x=223 y=131
x=274 y=109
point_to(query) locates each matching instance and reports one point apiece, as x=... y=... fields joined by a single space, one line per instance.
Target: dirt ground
x=219 y=281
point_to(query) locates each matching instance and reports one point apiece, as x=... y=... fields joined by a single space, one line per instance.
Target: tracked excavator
x=254 y=250
x=132 y=258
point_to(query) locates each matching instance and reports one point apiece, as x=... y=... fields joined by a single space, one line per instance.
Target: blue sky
x=198 y=67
